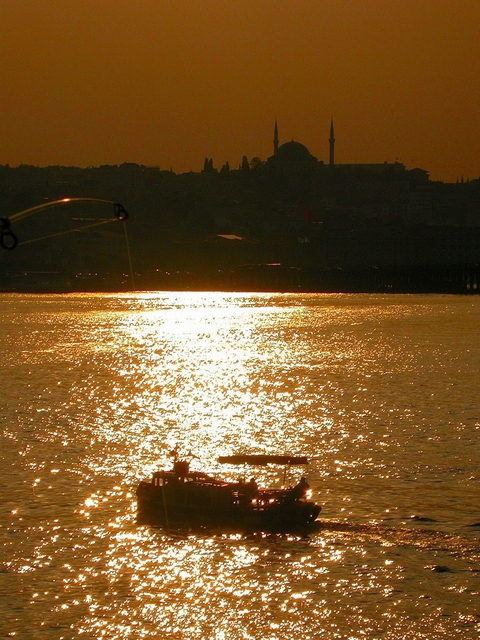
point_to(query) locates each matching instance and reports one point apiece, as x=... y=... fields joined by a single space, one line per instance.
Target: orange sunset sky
x=168 y=82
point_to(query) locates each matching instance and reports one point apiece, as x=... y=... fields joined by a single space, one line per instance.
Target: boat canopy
x=262 y=460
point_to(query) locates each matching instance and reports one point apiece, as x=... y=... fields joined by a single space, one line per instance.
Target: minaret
x=275 y=138
x=332 y=144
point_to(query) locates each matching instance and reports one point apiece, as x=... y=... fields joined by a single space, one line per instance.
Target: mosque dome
x=294 y=152
x=292 y=166
x=293 y=158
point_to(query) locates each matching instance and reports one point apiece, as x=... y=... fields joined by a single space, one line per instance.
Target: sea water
x=381 y=392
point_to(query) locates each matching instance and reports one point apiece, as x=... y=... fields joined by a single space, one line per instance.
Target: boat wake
x=464 y=541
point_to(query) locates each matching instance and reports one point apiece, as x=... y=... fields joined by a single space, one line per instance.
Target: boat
x=179 y=497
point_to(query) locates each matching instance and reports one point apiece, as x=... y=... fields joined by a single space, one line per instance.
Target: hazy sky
x=168 y=82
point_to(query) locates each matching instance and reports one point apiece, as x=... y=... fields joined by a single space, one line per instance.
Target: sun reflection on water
x=198 y=374
x=111 y=384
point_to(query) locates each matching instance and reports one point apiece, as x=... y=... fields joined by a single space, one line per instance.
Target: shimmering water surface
x=382 y=392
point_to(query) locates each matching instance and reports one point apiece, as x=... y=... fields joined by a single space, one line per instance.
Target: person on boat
x=300 y=489
x=252 y=488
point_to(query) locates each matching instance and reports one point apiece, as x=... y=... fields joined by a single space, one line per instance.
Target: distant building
x=295 y=157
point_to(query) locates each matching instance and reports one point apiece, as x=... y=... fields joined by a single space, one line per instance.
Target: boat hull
x=182 y=504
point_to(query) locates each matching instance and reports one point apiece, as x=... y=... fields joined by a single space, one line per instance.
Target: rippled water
x=382 y=392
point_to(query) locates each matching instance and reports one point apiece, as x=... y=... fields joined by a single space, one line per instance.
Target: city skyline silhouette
x=165 y=85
